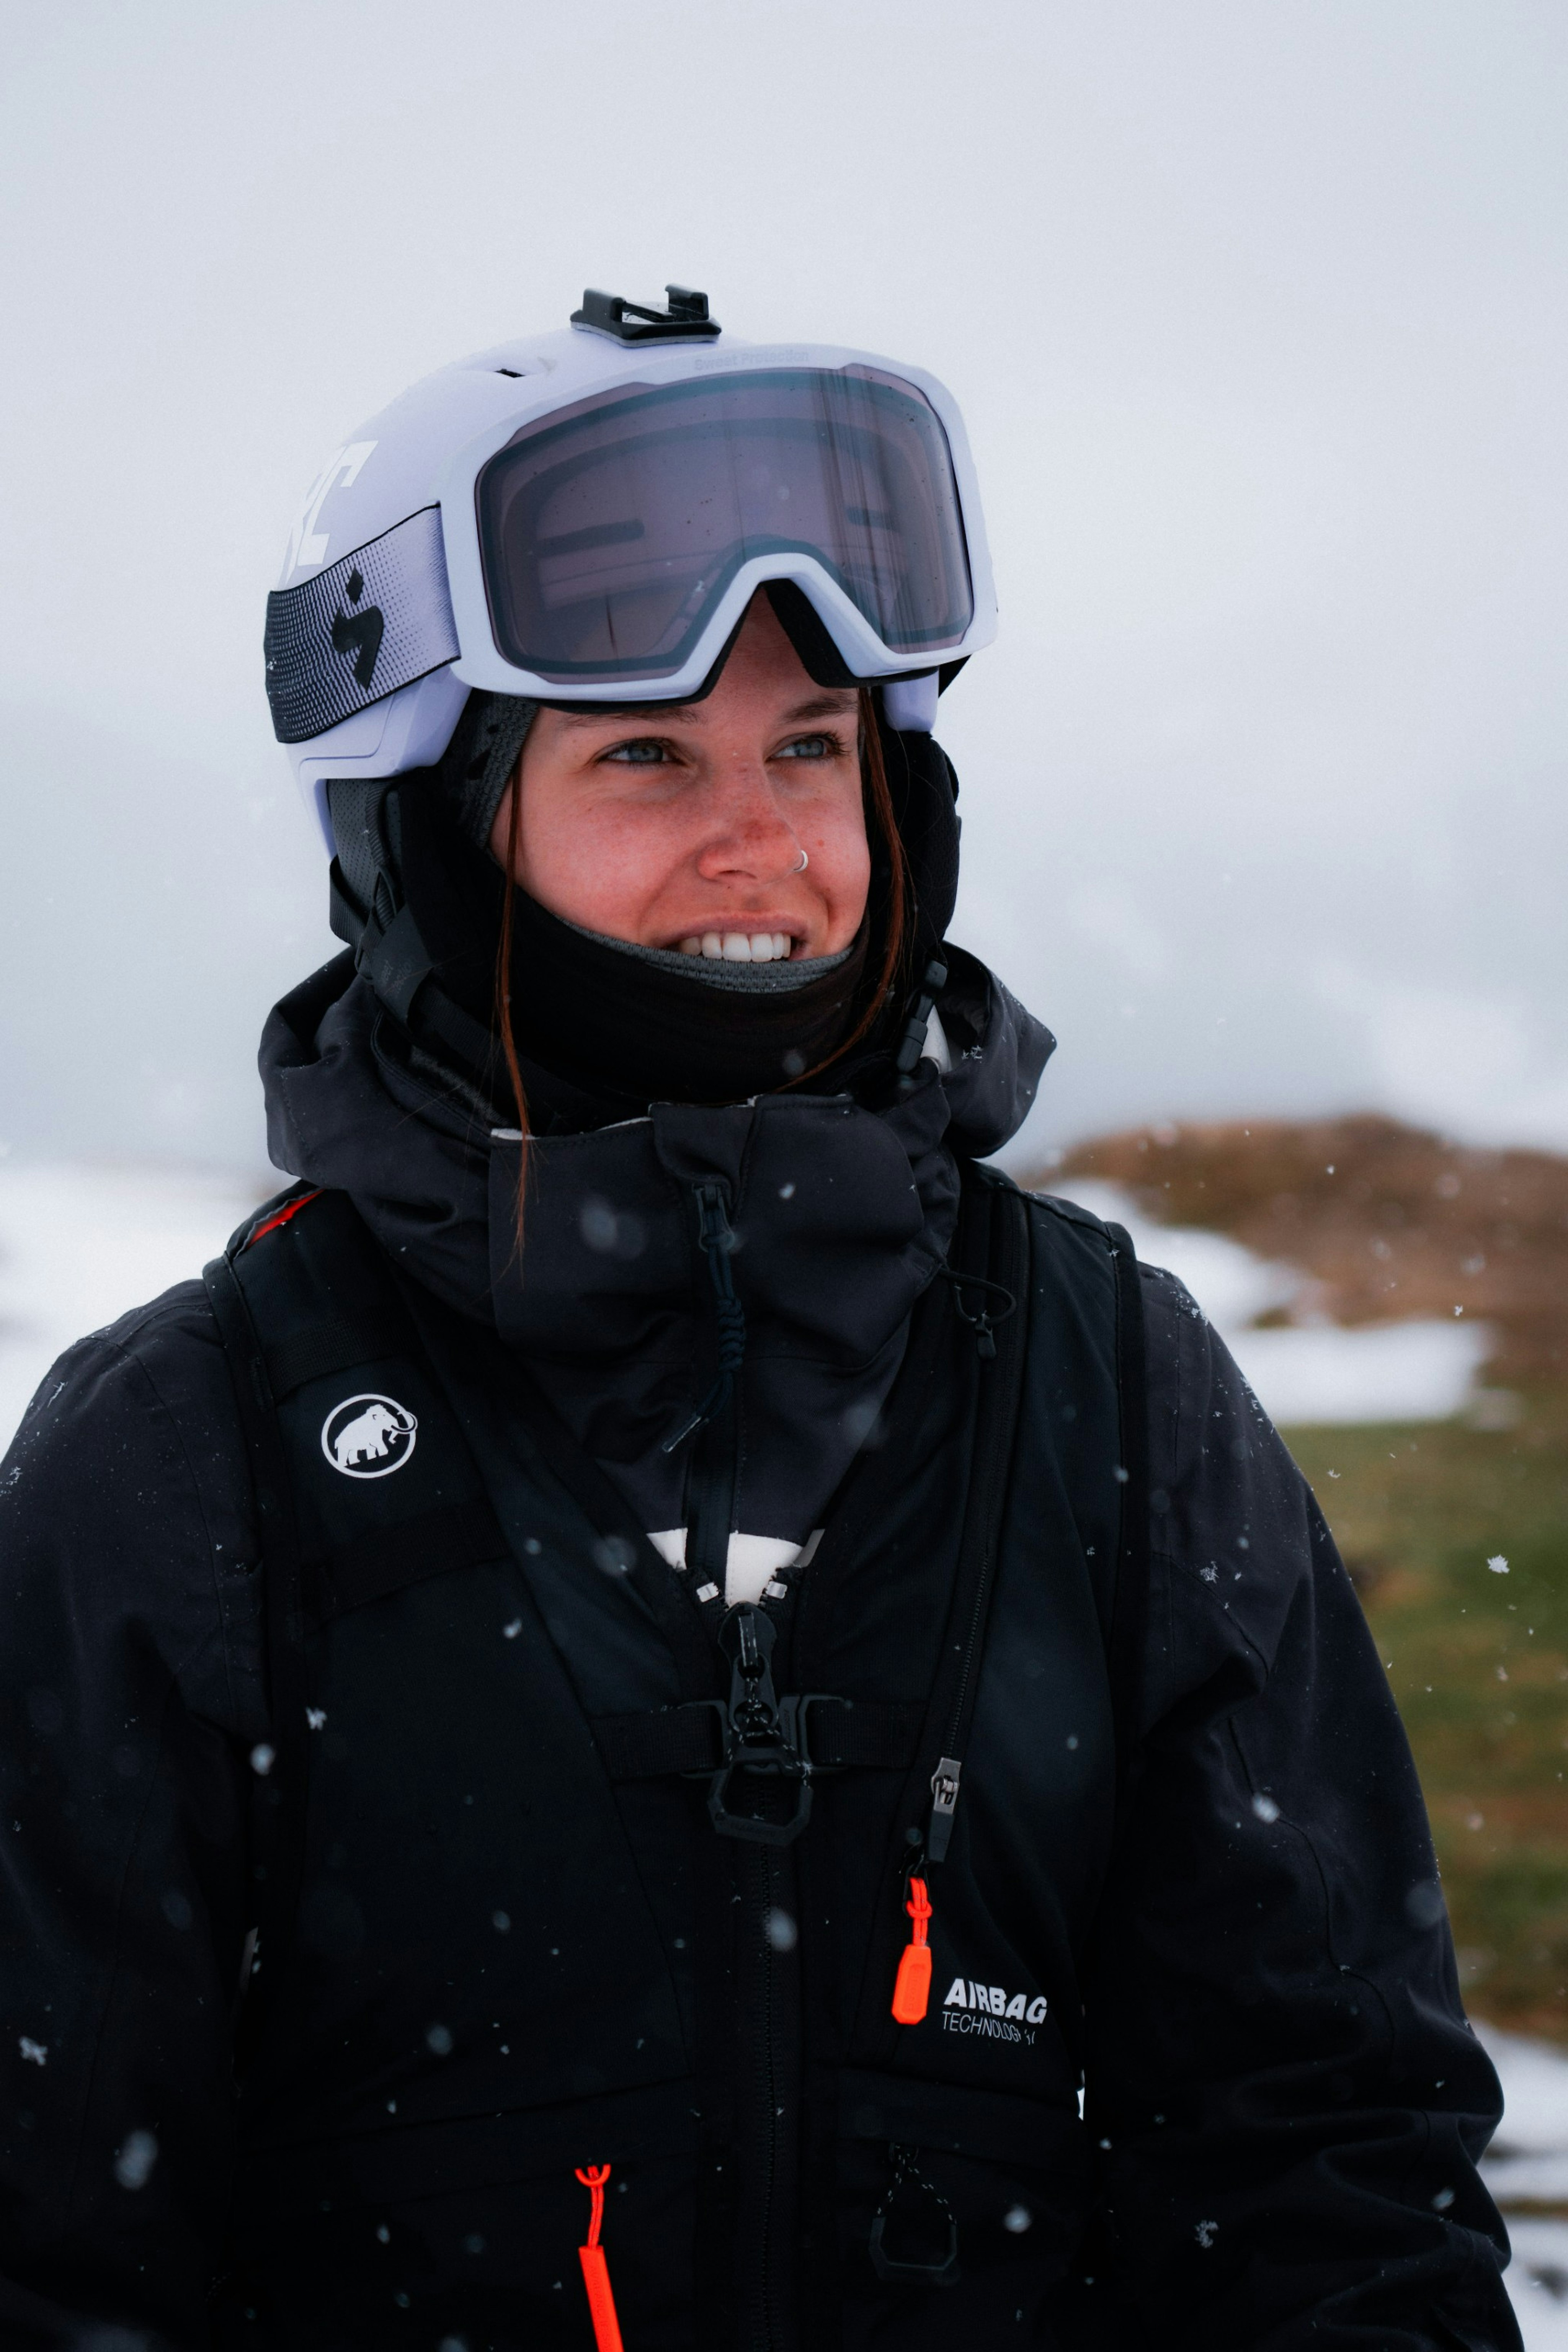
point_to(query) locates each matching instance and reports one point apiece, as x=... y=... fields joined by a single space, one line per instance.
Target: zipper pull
x=983 y=1325
x=944 y=1783
x=912 y=1992
x=595 y=2271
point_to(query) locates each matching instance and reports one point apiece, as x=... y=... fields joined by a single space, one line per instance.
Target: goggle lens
x=610 y=530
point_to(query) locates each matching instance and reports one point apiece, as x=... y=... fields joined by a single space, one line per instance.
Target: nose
x=751 y=838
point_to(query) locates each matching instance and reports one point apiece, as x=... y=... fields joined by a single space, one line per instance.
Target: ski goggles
x=616 y=539
x=606 y=547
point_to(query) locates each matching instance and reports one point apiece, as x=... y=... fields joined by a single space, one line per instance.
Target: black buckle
x=935 y=2269
x=760 y=1733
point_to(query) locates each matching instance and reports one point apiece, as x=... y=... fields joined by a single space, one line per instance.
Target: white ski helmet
x=585 y=517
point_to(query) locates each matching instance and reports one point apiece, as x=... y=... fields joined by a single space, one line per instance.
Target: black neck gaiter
x=603 y=1016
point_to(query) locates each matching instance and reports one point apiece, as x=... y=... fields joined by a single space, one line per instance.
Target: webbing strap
x=841 y=1734
x=279 y=1815
x=994 y=1234
x=399 y=966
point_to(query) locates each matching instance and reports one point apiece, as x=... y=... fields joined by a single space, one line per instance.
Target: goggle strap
x=366 y=626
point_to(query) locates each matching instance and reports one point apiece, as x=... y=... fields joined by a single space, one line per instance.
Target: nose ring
x=804 y=862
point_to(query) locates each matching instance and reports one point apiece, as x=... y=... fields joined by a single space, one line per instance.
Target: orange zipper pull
x=913 y=1991
x=595 y=2271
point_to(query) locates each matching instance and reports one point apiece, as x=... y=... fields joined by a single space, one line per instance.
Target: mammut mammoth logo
x=360 y=633
x=368 y=1436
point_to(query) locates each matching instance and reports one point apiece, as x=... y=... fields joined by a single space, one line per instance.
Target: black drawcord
x=985 y=1322
x=717 y=1237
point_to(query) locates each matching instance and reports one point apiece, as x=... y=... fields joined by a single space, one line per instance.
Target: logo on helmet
x=307 y=544
x=360 y=633
x=368 y=1436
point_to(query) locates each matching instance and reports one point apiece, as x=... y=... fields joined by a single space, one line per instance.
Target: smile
x=739 y=947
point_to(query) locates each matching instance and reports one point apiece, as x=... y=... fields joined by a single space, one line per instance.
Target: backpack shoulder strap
x=1122 y=1595
x=990 y=1255
x=1129 y=1614
x=287 y=1314
x=279 y=1765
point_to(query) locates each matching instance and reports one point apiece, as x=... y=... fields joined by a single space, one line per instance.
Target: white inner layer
x=936 y=1047
x=753 y=1562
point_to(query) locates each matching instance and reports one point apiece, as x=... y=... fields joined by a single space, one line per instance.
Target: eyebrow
x=833 y=703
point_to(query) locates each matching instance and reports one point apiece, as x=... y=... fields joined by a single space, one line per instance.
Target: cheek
x=597 y=862
x=840 y=853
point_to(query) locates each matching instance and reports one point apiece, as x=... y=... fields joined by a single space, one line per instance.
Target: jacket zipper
x=761 y=2126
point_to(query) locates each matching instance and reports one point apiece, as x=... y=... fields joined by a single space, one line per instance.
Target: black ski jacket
x=327 y=1610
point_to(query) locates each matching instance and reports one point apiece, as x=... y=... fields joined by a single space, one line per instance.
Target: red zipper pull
x=595 y=2271
x=913 y=1991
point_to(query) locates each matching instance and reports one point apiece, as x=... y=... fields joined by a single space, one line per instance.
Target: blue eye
x=809 y=747
x=637 y=755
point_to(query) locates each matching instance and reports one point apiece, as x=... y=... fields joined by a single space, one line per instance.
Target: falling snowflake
x=1206 y=2233
x=133 y=2165
x=1265 y=1808
x=1498 y=1564
x=36 y=2051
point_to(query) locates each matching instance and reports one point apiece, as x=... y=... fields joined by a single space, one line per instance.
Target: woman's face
x=682 y=825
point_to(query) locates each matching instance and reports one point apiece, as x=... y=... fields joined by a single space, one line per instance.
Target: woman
x=612 y=1719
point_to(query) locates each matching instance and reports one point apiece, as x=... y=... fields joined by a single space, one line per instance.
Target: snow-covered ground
x=78 y=1245
x=1528 y=2163
x=1308 y=1371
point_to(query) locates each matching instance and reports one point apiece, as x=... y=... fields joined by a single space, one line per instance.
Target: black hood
x=842 y=1213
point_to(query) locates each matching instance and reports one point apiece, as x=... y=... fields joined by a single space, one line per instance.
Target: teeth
x=740 y=947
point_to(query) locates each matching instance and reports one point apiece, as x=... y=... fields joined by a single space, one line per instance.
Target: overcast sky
x=1257 y=315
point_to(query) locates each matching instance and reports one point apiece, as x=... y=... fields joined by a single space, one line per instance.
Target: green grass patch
x=1478 y=1660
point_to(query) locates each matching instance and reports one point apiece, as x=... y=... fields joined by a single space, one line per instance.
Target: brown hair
x=882 y=827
